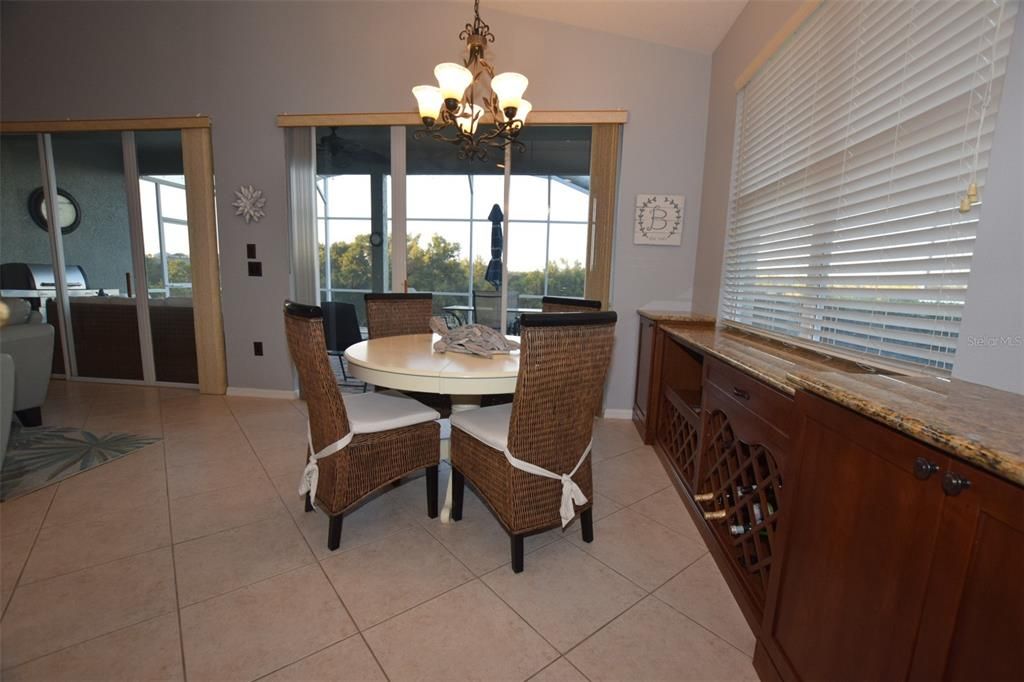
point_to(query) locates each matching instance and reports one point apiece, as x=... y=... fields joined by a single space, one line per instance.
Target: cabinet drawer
x=765 y=404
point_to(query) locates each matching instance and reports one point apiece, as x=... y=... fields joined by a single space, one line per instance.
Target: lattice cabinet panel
x=740 y=487
x=679 y=437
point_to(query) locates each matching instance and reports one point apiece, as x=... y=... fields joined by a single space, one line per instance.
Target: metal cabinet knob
x=740 y=393
x=923 y=469
x=954 y=484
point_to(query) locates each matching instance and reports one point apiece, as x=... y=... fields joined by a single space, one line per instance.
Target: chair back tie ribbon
x=311 y=474
x=572 y=494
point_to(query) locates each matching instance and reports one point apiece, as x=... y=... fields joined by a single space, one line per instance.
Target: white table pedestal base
x=460 y=403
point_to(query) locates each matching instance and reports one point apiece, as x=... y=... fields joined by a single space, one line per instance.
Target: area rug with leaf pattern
x=39 y=456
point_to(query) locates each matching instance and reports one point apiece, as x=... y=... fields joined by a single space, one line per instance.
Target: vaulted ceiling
x=697 y=25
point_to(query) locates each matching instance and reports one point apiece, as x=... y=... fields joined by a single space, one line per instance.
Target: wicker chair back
x=304 y=327
x=398 y=314
x=562 y=368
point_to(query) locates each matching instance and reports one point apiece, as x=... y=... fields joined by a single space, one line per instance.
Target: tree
x=440 y=266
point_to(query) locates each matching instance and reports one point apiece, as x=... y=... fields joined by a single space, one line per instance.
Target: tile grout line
x=317 y=560
x=174 y=563
x=307 y=656
x=610 y=620
x=702 y=626
x=49 y=505
x=650 y=518
x=86 y=641
x=21 y=573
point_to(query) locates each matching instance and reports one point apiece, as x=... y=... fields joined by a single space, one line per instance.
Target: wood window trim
x=402 y=118
x=105 y=124
x=605 y=142
x=772 y=46
x=197 y=154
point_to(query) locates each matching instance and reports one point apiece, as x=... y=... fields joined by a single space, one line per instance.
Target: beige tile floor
x=193 y=559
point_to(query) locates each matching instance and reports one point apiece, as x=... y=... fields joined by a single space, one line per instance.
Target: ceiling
x=697 y=25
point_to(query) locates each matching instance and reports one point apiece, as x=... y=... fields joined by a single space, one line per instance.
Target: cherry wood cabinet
x=901 y=562
x=973 y=623
x=853 y=550
x=644 y=366
x=860 y=534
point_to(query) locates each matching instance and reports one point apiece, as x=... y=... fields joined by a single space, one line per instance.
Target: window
x=855 y=148
x=165 y=236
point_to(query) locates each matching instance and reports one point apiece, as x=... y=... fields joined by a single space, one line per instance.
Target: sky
x=172 y=204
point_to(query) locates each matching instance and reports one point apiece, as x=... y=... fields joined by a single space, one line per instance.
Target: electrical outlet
x=257 y=348
x=250 y=251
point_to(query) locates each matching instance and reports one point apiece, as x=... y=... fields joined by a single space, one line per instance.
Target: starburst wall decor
x=250 y=203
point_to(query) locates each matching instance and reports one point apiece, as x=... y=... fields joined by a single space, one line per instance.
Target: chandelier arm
x=474 y=144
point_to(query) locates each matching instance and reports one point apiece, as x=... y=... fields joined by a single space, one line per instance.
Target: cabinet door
x=859 y=532
x=973 y=625
x=644 y=361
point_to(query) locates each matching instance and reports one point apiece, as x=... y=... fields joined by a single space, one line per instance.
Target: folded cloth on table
x=473 y=339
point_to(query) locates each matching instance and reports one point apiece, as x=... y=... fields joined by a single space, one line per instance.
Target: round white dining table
x=409 y=363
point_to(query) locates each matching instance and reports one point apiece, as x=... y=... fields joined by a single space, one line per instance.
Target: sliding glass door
x=353 y=178
x=441 y=216
x=163 y=202
x=122 y=306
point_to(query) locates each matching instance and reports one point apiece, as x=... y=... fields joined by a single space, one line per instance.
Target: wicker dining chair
x=392 y=435
x=398 y=314
x=561 y=304
x=549 y=424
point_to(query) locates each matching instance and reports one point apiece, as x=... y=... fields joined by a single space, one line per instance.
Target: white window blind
x=855 y=146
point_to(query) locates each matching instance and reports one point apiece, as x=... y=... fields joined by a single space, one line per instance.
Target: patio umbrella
x=493 y=274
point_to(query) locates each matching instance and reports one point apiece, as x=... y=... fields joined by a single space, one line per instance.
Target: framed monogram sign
x=659 y=219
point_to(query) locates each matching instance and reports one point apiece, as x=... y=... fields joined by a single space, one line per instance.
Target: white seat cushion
x=488 y=425
x=386 y=410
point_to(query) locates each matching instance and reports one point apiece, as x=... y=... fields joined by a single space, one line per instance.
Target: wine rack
x=740 y=486
x=679 y=433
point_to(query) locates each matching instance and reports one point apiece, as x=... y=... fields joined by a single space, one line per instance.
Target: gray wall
x=91 y=170
x=244 y=63
x=991 y=349
x=994 y=314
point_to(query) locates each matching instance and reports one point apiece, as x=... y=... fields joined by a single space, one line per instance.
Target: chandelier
x=452 y=110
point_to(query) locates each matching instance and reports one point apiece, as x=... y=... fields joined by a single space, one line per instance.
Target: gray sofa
x=29 y=343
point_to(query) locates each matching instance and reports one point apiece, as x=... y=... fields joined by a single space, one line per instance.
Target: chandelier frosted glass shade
x=469 y=118
x=453 y=80
x=509 y=88
x=429 y=100
x=523 y=111
x=466 y=92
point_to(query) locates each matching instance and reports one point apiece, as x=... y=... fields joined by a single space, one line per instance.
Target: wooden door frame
x=606 y=139
x=197 y=158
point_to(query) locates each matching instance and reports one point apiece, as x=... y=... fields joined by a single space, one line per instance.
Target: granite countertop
x=982 y=425
x=683 y=316
x=766 y=359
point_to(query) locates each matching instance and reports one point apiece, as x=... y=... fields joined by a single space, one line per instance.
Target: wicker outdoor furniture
x=561 y=304
x=398 y=314
x=549 y=424
x=359 y=443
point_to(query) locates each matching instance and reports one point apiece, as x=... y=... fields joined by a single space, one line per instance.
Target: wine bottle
x=716 y=515
x=758 y=517
x=742 y=490
x=743 y=529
